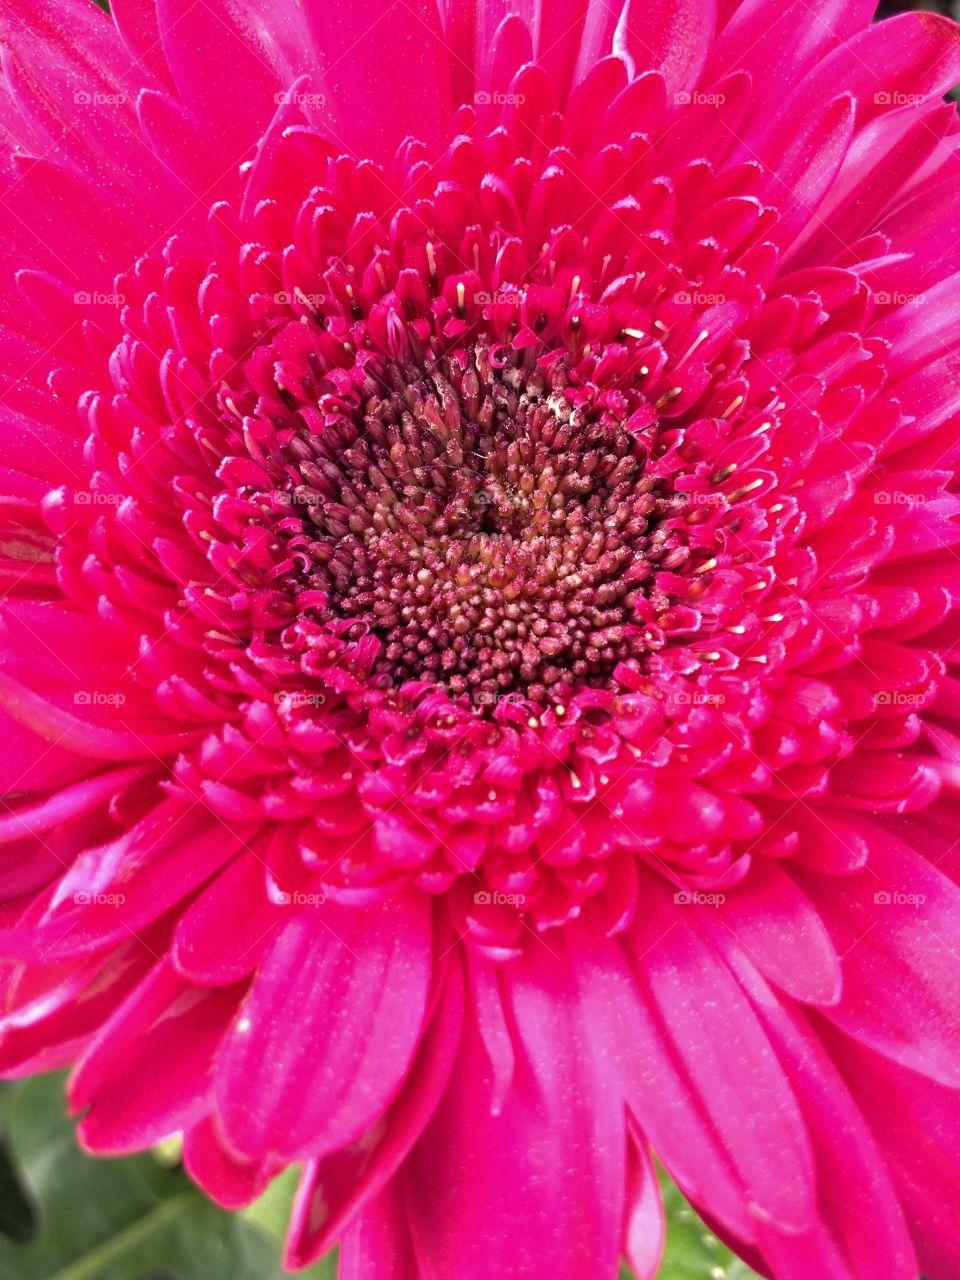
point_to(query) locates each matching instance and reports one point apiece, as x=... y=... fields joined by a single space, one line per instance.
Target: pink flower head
x=477 y=663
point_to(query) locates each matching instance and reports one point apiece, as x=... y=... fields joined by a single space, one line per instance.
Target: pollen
x=493 y=526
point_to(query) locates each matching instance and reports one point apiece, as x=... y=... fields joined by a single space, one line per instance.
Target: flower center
x=492 y=523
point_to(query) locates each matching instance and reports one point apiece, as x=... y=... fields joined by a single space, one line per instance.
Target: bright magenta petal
x=353 y=986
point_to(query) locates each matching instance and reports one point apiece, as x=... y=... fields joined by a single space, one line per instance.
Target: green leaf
x=17 y=1219
x=271 y=1213
x=67 y=1216
x=126 y=1219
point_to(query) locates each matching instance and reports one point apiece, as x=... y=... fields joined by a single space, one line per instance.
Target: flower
x=480 y=553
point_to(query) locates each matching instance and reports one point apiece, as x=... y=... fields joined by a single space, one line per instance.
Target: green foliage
x=693 y=1252
x=69 y=1217
x=65 y=1216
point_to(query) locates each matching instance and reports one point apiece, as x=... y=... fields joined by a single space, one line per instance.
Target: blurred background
x=950 y=7
x=64 y=1216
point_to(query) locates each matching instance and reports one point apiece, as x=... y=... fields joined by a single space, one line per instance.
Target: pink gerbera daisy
x=480 y=544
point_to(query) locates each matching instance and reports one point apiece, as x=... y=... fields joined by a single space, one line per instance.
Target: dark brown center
x=491 y=523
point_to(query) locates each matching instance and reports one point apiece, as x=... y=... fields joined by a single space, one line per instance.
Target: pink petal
x=669 y=36
x=118 y=888
x=29 y=762
x=913 y=53
x=335 y=1188
x=164 y=1020
x=838 y=1242
x=920 y=332
x=779 y=929
x=881 y=160
x=378 y=1243
x=70 y=803
x=396 y=78
x=719 y=1042
x=52 y=1012
x=645 y=1229
x=668 y=1109
x=213 y=47
x=323 y=1041
x=136 y=20
x=917 y=1124
x=232 y=1181
x=781 y=43
x=222 y=935
x=896 y=918
x=478 y=1173
x=802 y=162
